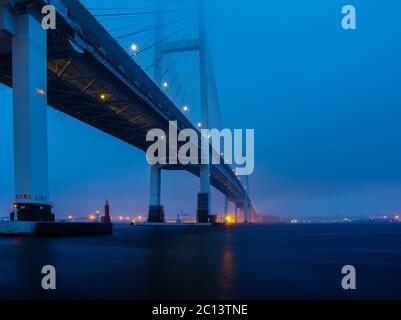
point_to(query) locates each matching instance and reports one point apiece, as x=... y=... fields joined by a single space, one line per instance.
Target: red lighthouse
x=106 y=217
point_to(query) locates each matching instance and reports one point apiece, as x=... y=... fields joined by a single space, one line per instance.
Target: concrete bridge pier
x=156 y=210
x=236 y=214
x=246 y=200
x=225 y=208
x=29 y=64
x=246 y=211
x=203 y=208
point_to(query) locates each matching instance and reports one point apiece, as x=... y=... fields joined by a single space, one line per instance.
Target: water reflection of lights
x=228 y=276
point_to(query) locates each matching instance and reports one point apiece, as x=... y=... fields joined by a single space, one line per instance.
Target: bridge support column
x=246 y=212
x=236 y=214
x=156 y=211
x=246 y=201
x=225 y=208
x=30 y=121
x=203 y=211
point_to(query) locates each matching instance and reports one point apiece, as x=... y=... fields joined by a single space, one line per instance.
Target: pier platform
x=54 y=229
x=173 y=224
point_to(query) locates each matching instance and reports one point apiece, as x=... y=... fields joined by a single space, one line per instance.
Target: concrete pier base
x=171 y=224
x=53 y=229
x=32 y=212
x=17 y=227
x=156 y=214
x=202 y=212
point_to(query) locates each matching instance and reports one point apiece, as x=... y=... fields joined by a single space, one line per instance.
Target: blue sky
x=325 y=105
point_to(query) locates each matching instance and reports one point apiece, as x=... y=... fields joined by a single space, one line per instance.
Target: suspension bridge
x=123 y=71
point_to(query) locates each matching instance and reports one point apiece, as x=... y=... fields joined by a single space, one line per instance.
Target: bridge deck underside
x=83 y=87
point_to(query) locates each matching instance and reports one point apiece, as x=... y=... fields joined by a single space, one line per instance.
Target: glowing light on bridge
x=103 y=96
x=134 y=48
x=185 y=108
x=41 y=91
x=199 y=125
x=165 y=85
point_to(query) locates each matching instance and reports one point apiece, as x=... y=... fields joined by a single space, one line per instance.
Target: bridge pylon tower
x=199 y=45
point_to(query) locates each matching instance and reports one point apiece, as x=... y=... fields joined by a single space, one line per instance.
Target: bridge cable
x=166 y=38
x=127 y=35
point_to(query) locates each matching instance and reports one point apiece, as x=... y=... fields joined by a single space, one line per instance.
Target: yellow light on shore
x=92 y=217
x=229 y=219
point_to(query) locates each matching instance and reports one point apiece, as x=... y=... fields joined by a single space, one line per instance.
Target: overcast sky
x=325 y=104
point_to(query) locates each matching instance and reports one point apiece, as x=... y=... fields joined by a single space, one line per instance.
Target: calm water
x=249 y=262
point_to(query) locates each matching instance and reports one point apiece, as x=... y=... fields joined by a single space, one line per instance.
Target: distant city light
x=134 y=48
x=70 y=217
x=92 y=217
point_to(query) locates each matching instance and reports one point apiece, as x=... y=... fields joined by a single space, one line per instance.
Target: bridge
x=80 y=69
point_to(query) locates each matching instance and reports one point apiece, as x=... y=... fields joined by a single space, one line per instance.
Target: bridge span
x=81 y=70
